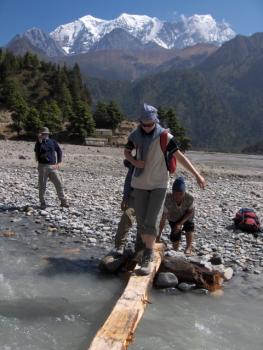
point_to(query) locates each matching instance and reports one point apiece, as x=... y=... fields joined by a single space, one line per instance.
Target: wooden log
x=118 y=330
x=192 y=273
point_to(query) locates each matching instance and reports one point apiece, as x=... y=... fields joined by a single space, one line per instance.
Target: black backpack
x=246 y=219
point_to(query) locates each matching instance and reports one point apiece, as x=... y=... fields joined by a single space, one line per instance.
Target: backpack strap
x=168 y=149
x=164 y=140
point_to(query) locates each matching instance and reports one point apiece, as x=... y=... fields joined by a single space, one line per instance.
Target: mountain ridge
x=88 y=33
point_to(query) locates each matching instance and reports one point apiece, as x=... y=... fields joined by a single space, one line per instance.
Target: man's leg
x=151 y=224
x=189 y=241
x=141 y=198
x=55 y=178
x=175 y=236
x=124 y=225
x=189 y=235
x=42 y=184
x=140 y=206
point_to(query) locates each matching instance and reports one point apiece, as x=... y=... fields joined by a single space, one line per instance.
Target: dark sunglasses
x=147 y=125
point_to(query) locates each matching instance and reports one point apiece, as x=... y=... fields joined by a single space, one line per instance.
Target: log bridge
x=119 y=328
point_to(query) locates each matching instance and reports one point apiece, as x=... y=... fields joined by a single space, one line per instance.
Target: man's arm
x=127 y=189
x=189 y=166
x=36 y=150
x=128 y=155
x=185 y=217
x=58 y=151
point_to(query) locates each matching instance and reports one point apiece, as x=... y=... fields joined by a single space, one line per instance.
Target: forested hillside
x=40 y=93
x=37 y=93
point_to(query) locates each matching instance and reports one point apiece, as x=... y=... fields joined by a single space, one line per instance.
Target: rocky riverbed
x=93 y=179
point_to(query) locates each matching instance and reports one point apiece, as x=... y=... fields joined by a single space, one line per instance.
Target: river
x=51 y=299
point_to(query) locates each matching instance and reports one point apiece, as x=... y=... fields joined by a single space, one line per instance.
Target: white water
x=60 y=304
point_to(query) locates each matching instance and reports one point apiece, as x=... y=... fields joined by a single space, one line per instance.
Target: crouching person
x=179 y=211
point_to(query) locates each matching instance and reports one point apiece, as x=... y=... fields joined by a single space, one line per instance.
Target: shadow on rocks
x=10 y=208
x=63 y=265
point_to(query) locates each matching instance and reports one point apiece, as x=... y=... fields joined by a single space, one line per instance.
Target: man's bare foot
x=189 y=251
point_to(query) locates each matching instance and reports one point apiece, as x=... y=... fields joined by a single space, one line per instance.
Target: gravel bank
x=93 y=178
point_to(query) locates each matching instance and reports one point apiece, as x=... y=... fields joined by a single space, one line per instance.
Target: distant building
x=117 y=137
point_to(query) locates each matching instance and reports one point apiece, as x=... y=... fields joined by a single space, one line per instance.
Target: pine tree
x=32 y=123
x=15 y=101
x=65 y=102
x=51 y=116
x=169 y=120
x=115 y=116
x=101 y=116
x=107 y=116
x=82 y=123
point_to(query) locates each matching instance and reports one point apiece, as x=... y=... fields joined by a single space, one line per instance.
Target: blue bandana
x=149 y=113
x=179 y=185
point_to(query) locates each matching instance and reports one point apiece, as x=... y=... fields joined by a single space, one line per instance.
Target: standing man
x=150 y=177
x=179 y=210
x=49 y=157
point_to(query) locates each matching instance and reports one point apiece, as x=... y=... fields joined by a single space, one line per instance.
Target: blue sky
x=245 y=16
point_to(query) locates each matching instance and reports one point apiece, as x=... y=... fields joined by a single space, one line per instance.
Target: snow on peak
x=82 y=34
x=133 y=20
x=204 y=28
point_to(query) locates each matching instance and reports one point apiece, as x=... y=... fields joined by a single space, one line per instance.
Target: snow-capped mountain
x=42 y=41
x=85 y=33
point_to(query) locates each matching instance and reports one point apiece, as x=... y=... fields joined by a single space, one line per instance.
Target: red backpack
x=246 y=219
x=170 y=159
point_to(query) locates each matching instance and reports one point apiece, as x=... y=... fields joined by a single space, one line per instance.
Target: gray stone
x=185 y=287
x=166 y=280
x=201 y=291
x=216 y=260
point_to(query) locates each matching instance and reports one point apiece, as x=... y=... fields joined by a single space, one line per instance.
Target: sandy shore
x=93 y=178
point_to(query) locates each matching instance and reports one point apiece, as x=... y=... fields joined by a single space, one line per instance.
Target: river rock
x=166 y=280
x=228 y=273
x=185 y=287
x=112 y=262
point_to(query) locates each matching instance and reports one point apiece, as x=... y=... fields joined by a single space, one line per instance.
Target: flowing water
x=49 y=301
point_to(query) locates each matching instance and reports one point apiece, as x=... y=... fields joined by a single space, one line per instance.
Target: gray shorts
x=148 y=207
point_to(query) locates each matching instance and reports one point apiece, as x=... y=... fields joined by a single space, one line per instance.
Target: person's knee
x=175 y=235
x=150 y=230
x=189 y=226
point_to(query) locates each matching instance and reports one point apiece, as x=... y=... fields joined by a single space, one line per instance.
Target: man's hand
x=124 y=204
x=177 y=227
x=201 y=181
x=56 y=166
x=139 y=164
x=40 y=137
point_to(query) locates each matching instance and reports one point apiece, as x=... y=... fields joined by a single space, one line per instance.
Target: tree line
x=40 y=93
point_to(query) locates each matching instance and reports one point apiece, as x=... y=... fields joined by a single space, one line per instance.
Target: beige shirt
x=155 y=174
x=174 y=211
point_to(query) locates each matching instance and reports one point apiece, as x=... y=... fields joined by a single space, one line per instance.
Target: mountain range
x=219 y=101
x=215 y=90
x=133 y=31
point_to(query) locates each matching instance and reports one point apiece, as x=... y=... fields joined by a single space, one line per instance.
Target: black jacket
x=48 y=152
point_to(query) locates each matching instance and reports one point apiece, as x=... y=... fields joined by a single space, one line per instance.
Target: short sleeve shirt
x=175 y=212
